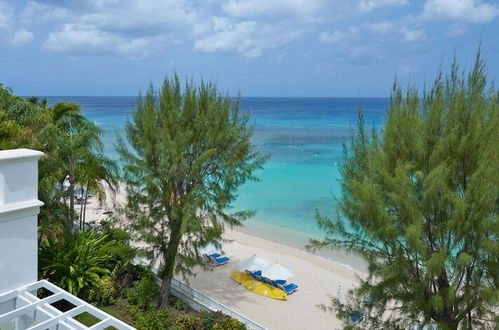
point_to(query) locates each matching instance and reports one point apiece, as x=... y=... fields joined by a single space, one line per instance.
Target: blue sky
x=257 y=47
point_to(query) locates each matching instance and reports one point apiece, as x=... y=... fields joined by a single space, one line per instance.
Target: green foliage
x=177 y=303
x=169 y=318
x=104 y=292
x=218 y=320
x=157 y=318
x=421 y=201
x=229 y=324
x=75 y=263
x=188 y=322
x=144 y=293
x=188 y=151
x=73 y=152
x=123 y=253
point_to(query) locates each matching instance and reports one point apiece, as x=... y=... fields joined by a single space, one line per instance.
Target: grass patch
x=87 y=319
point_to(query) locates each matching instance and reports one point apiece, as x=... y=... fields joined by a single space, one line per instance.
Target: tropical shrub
x=161 y=318
x=144 y=293
x=188 y=322
x=105 y=291
x=123 y=253
x=75 y=263
x=177 y=303
x=218 y=320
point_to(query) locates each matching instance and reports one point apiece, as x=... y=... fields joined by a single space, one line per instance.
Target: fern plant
x=76 y=263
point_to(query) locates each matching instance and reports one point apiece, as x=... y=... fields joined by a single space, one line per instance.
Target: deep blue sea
x=304 y=137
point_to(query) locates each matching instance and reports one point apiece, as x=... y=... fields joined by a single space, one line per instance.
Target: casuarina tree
x=188 y=149
x=419 y=202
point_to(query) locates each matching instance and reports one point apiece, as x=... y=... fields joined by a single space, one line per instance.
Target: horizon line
x=231 y=96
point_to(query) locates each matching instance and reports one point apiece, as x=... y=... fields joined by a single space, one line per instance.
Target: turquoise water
x=304 y=137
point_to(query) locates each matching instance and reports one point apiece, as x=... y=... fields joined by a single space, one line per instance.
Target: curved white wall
x=19 y=207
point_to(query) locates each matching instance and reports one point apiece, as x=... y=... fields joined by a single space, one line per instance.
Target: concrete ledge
x=18 y=210
x=16 y=155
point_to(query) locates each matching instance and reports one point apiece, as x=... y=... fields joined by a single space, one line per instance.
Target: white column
x=19 y=207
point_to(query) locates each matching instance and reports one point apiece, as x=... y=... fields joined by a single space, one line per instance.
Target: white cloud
x=38 y=13
x=338 y=36
x=146 y=17
x=380 y=27
x=309 y=11
x=412 y=35
x=6 y=13
x=134 y=29
x=366 y=6
x=22 y=37
x=85 y=40
x=391 y=31
x=249 y=38
x=472 y=11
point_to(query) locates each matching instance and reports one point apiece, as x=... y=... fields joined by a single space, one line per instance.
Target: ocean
x=304 y=137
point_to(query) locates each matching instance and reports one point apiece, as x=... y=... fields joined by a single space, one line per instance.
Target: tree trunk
x=85 y=207
x=81 y=209
x=71 y=192
x=169 y=261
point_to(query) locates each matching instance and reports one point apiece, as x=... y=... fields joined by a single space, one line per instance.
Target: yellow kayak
x=263 y=289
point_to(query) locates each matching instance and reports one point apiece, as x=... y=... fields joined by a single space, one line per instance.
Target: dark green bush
x=229 y=324
x=76 y=263
x=177 y=303
x=155 y=319
x=218 y=320
x=104 y=293
x=188 y=322
x=144 y=293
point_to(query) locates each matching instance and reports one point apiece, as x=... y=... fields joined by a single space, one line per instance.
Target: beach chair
x=288 y=288
x=277 y=282
x=253 y=274
x=356 y=316
x=218 y=261
x=207 y=257
x=258 y=276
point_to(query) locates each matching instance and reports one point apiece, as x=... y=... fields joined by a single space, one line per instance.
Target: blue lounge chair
x=267 y=280
x=356 y=316
x=288 y=288
x=277 y=282
x=253 y=274
x=258 y=276
x=219 y=261
x=208 y=257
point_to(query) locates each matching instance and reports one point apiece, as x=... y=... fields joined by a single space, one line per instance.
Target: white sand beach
x=317 y=278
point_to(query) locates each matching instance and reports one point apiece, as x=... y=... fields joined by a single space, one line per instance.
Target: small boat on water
x=261 y=288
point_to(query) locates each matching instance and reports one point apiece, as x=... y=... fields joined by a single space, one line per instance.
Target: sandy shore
x=317 y=278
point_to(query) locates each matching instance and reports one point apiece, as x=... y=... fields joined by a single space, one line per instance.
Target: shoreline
x=260 y=229
x=297 y=240
x=318 y=277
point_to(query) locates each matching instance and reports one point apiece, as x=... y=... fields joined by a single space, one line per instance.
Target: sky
x=252 y=47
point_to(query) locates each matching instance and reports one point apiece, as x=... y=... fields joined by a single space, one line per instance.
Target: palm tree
x=77 y=155
x=98 y=172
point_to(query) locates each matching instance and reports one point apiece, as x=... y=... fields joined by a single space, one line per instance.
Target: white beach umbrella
x=209 y=248
x=277 y=272
x=254 y=263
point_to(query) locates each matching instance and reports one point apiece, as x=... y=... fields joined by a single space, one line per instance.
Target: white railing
x=211 y=304
x=198 y=300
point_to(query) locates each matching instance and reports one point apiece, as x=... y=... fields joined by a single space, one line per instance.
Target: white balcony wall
x=19 y=207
